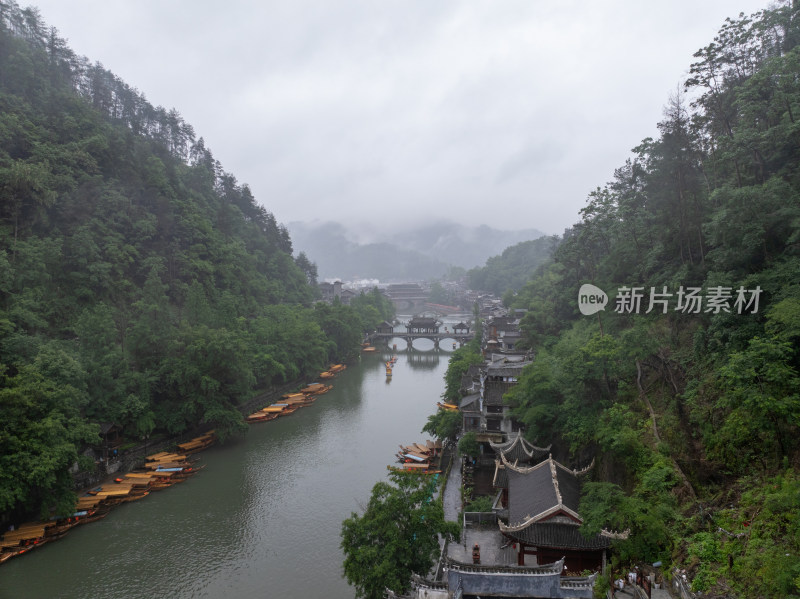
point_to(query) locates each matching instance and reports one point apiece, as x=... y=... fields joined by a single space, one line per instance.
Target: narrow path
x=452 y=491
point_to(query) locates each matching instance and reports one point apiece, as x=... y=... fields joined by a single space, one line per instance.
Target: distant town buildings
x=529 y=545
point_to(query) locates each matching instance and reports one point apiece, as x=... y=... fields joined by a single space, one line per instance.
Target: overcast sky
x=504 y=112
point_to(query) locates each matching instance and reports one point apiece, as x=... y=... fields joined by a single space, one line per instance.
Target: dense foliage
x=514 y=267
x=396 y=536
x=443 y=424
x=139 y=283
x=692 y=409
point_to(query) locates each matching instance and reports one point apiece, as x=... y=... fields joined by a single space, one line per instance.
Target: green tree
x=760 y=391
x=39 y=438
x=460 y=361
x=443 y=424
x=468 y=445
x=396 y=536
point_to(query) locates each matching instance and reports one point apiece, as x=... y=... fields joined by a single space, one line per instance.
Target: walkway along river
x=263 y=518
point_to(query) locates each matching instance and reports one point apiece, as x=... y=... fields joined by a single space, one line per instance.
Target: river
x=263 y=518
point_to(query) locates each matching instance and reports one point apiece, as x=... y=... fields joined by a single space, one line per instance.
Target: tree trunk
x=649 y=406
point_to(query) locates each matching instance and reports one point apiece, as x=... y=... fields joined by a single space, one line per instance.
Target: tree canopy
x=688 y=398
x=396 y=536
x=140 y=283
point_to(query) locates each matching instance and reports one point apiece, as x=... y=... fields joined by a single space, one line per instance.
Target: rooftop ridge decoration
x=577 y=582
x=418 y=581
x=556 y=567
x=559 y=507
x=527 y=469
x=497 y=467
x=527 y=448
x=554 y=474
x=521 y=469
x=534 y=519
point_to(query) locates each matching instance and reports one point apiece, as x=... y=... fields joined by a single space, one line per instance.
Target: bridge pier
x=410 y=342
x=435 y=344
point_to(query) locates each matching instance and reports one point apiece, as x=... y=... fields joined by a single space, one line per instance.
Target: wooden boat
x=158 y=465
x=157 y=457
x=300 y=402
x=369 y=349
x=165 y=480
x=198 y=443
x=166 y=456
x=413 y=458
x=30 y=533
x=326 y=375
x=316 y=389
x=337 y=368
x=447 y=406
x=423 y=468
x=281 y=409
x=418 y=448
x=261 y=416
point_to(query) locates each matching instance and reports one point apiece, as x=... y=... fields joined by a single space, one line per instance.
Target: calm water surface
x=263 y=518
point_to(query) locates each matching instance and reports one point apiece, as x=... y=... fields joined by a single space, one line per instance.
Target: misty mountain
x=411 y=254
x=462 y=246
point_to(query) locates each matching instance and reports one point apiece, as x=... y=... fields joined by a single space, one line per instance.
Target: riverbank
x=121 y=478
x=134 y=457
x=288 y=485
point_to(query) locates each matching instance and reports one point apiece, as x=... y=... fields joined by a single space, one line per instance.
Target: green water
x=263 y=518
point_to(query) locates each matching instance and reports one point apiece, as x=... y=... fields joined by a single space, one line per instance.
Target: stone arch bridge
x=460 y=338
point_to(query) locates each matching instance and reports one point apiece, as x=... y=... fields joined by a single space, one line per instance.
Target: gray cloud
x=391 y=111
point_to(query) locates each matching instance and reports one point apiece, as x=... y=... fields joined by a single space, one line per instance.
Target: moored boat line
x=197 y=444
x=419 y=457
x=291 y=402
x=161 y=470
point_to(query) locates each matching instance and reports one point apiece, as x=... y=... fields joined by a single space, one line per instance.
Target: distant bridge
x=460 y=338
x=408 y=298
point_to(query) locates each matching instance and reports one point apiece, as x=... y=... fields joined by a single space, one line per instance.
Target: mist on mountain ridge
x=418 y=253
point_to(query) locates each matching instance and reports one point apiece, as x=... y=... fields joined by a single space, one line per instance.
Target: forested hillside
x=140 y=283
x=690 y=398
x=509 y=271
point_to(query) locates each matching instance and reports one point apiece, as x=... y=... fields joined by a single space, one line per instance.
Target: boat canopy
x=414 y=457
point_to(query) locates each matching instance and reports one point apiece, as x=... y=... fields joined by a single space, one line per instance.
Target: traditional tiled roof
x=500 y=479
x=540 y=492
x=106 y=427
x=507 y=367
x=470 y=403
x=494 y=395
x=422 y=320
x=557 y=535
x=468 y=384
x=517 y=450
x=474 y=370
x=502 y=323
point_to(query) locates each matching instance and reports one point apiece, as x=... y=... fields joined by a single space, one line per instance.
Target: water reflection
x=418 y=360
x=263 y=518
